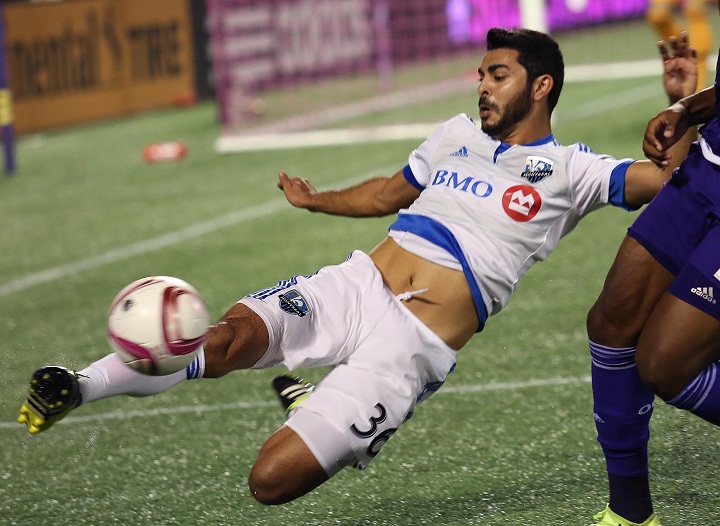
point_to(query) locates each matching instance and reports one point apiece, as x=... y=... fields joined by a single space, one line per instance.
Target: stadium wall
x=262 y=44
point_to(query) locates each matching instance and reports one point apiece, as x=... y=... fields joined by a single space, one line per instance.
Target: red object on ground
x=186 y=100
x=164 y=151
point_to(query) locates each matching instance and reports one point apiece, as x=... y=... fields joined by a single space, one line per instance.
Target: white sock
x=110 y=376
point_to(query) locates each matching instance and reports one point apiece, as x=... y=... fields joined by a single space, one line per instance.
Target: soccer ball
x=157 y=325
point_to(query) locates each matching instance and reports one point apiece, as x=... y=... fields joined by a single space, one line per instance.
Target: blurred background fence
x=75 y=61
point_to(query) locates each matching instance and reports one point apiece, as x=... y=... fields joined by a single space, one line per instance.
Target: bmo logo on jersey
x=468 y=184
x=521 y=202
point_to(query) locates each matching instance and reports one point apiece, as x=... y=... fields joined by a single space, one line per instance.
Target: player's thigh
x=351 y=414
x=682 y=336
x=679 y=341
x=360 y=404
x=633 y=286
x=657 y=247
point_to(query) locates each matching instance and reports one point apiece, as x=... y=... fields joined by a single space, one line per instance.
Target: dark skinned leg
x=285 y=468
x=634 y=285
x=623 y=404
x=679 y=341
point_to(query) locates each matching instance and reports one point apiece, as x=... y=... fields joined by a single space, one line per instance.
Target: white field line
x=261 y=404
x=163 y=241
x=310 y=139
x=594 y=108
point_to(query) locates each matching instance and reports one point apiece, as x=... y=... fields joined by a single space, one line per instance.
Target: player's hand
x=662 y=131
x=680 y=67
x=298 y=191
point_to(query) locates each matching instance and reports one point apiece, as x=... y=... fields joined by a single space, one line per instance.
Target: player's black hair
x=538 y=53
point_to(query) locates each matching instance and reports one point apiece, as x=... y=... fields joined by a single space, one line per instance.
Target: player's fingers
x=283 y=180
x=663 y=51
x=684 y=39
x=651 y=147
x=683 y=45
x=656 y=157
x=652 y=133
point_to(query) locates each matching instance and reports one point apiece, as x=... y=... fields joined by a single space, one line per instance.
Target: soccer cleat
x=291 y=391
x=54 y=392
x=608 y=517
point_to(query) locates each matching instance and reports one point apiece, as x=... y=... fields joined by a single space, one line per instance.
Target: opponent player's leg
x=660 y=15
x=679 y=347
x=678 y=354
x=696 y=13
x=622 y=403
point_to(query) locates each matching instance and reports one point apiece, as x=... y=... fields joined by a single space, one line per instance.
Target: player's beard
x=515 y=111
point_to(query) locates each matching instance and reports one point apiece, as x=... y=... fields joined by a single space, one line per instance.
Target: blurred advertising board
x=76 y=61
x=469 y=20
x=261 y=44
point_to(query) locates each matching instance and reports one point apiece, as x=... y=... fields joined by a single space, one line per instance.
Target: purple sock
x=702 y=396
x=622 y=409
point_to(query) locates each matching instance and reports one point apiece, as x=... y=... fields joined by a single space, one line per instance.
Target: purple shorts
x=681 y=229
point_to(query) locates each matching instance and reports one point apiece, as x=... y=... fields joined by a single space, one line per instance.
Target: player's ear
x=542 y=86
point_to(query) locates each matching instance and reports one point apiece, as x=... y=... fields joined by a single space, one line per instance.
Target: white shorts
x=384 y=360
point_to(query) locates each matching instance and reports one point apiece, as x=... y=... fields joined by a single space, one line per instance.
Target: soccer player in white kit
x=478 y=205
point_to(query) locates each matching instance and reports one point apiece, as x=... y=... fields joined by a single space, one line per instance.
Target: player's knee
x=235 y=342
x=658 y=374
x=275 y=479
x=266 y=482
x=217 y=343
x=611 y=324
x=285 y=469
x=659 y=15
x=696 y=10
x=595 y=321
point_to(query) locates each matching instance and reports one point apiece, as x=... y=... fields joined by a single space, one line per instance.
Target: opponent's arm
x=375 y=197
x=644 y=178
x=668 y=126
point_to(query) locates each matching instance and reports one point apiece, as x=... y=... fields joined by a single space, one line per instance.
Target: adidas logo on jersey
x=537 y=169
x=705 y=293
x=462 y=152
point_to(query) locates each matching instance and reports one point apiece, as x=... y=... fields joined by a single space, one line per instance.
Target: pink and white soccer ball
x=157 y=325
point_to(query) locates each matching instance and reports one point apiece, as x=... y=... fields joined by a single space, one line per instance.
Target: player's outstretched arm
x=373 y=198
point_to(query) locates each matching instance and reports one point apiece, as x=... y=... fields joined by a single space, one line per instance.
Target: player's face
x=505 y=94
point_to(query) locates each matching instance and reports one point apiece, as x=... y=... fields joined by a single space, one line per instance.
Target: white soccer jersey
x=498 y=208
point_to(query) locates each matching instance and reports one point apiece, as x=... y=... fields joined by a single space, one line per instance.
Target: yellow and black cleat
x=291 y=391
x=608 y=517
x=53 y=393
